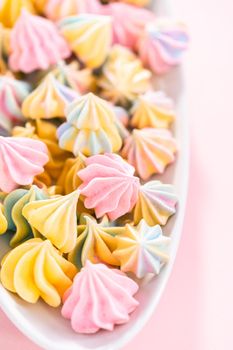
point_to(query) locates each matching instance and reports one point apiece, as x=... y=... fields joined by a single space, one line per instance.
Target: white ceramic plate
x=45 y=326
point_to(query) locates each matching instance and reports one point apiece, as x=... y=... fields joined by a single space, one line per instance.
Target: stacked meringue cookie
x=83 y=136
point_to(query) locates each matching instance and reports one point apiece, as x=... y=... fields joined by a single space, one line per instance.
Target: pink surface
x=195 y=312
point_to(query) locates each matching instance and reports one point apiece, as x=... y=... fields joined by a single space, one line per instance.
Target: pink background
x=195 y=312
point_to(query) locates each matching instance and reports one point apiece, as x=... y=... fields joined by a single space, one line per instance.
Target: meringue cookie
x=149 y=150
x=69 y=180
x=48 y=100
x=89 y=37
x=3 y=220
x=40 y=5
x=58 y=9
x=80 y=80
x=109 y=185
x=156 y=203
x=89 y=302
x=90 y=127
x=13 y=206
x=36 y=269
x=35 y=44
x=55 y=219
x=46 y=132
x=153 y=109
x=142 y=249
x=162 y=45
x=126 y=32
x=10 y=10
x=12 y=94
x=123 y=77
x=20 y=160
x=95 y=242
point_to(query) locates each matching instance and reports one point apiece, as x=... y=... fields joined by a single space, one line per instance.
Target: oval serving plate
x=44 y=325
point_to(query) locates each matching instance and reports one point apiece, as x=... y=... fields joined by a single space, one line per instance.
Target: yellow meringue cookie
x=48 y=100
x=90 y=127
x=95 y=242
x=123 y=77
x=46 y=132
x=36 y=269
x=69 y=179
x=10 y=10
x=40 y=5
x=55 y=219
x=3 y=220
x=89 y=37
x=153 y=109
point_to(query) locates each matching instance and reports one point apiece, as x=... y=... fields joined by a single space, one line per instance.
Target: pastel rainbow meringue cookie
x=3 y=220
x=95 y=242
x=127 y=32
x=35 y=44
x=149 y=150
x=49 y=100
x=71 y=75
x=20 y=160
x=89 y=302
x=89 y=37
x=162 y=45
x=55 y=219
x=13 y=207
x=142 y=249
x=152 y=109
x=59 y=9
x=10 y=10
x=109 y=185
x=35 y=269
x=156 y=203
x=90 y=127
x=12 y=94
x=123 y=77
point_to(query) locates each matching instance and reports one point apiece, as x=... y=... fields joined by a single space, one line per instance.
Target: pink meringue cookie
x=127 y=31
x=162 y=45
x=99 y=298
x=20 y=160
x=109 y=185
x=35 y=44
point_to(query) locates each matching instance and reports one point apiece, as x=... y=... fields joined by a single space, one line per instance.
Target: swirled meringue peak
x=126 y=32
x=56 y=219
x=156 y=203
x=89 y=302
x=153 y=109
x=89 y=36
x=149 y=150
x=123 y=77
x=48 y=100
x=142 y=249
x=20 y=160
x=36 y=269
x=80 y=80
x=12 y=94
x=162 y=45
x=10 y=10
x=13 y=207
x=3 y=220
x=90 y=128
x=109 y=185
x=35 y=44
x=95 y=242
